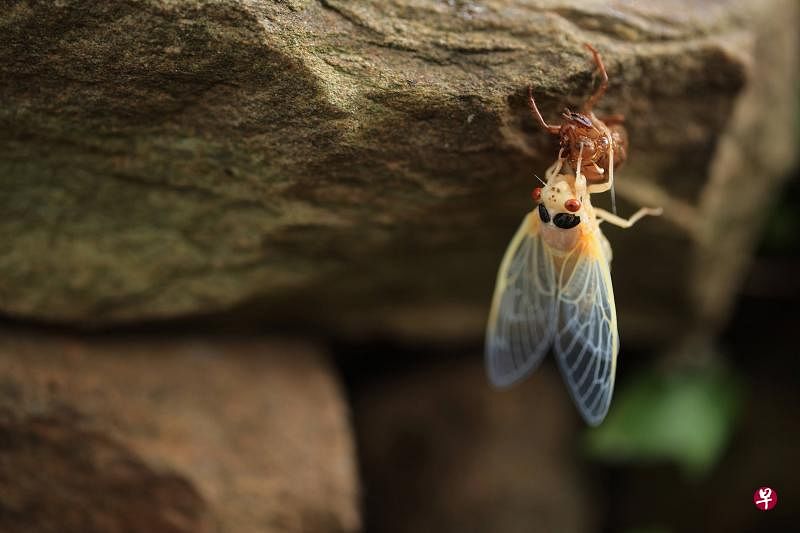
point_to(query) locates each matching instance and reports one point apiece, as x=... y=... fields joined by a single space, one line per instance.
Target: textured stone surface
x=356 y=164
x=180 y=436
x=442 y=451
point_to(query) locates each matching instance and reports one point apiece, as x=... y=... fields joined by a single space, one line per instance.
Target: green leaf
x=682 y=417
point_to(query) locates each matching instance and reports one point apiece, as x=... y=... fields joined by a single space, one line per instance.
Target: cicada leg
x=587 y=107
x=613 y=120
x=555 y=168
x=555 y=130
x=611 y=218
x=608 y=184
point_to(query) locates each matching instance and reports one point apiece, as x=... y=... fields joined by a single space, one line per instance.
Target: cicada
x=601 y=143
x=554 y=290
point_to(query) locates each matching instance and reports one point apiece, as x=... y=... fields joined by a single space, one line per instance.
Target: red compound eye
x=537 y=194
x=572 y=205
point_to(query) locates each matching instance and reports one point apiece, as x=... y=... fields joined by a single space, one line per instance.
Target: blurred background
x=693 y=431
x=248 y=250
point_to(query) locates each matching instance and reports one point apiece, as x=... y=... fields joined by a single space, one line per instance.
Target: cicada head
x=561 y=201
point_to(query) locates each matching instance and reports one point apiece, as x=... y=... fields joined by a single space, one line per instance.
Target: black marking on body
x=543 y=214
x=566 y=220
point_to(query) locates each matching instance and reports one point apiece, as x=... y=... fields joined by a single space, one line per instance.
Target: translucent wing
x=522 y=321
x=586 y=342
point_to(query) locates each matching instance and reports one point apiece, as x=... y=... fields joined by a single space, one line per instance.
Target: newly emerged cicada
x=554 y=290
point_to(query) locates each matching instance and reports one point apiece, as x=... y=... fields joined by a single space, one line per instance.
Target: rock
x=442 y=451
x=191 y=435
x=358 y=166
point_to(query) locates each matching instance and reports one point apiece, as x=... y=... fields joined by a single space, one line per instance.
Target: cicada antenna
x=540 y=179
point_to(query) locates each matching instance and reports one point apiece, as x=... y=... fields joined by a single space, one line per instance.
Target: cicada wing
x=586 y=341
x=522 y=320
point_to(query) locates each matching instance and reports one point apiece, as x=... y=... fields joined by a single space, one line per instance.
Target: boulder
x=102 y=435
x=361 y=166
